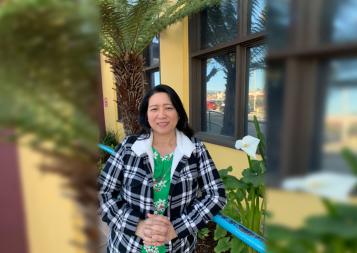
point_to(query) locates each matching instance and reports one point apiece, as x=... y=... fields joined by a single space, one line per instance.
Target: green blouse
x=161 y=186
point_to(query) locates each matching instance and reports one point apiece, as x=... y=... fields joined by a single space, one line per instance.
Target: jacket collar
x=184 y=147
x=183 y=144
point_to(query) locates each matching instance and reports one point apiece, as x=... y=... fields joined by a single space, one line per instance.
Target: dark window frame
x=303 y=59
x=240 y=45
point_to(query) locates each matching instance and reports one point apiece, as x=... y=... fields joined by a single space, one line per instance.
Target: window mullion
x=243 y=18
x=195 y=92
x=241 y=63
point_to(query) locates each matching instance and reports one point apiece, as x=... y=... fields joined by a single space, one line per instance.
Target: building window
x=152 y=62
x=227 y=70
x=218 y=109
x=339 y=121
x=256 y=89
x=312 y=86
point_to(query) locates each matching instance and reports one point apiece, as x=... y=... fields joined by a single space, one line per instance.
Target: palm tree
x=127 y=29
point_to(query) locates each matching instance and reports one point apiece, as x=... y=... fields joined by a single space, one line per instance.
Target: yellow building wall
x=292 y=208
x=109 y=98
x=174 y=60
x=50 y=216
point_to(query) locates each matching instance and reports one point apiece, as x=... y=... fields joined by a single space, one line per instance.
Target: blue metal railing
x=247 y=236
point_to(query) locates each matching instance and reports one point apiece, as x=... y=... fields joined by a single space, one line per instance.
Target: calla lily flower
x=325 y=184
x=249 y=145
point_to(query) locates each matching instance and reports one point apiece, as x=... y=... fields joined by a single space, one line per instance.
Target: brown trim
x=301 y=78
x=194 y=30
x=243 y=14
x=217 y=139
x=321 y=51
x=244 y=40
x=12 y=218
x=153 y=67
x=195 y=93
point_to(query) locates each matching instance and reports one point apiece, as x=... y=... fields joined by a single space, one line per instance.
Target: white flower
x=155 y=155
x=325 y=184
x=248 y=144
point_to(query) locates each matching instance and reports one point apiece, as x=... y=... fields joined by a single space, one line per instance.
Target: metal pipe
x=241 y=232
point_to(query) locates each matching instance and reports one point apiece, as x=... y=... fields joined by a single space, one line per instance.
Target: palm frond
x=129 y=28
x=260 y=15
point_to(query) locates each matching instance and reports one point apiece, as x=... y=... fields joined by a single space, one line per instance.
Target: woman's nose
x=162 y=113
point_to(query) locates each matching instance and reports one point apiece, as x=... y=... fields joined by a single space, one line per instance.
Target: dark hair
x=182 y=123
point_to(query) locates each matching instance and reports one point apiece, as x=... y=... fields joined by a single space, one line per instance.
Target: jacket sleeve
x=113 y=208
x=208 y=204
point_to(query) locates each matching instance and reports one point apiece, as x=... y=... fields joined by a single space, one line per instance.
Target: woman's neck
x=167 y=140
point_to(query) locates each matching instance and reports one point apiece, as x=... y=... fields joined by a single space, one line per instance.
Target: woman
x=161 y=187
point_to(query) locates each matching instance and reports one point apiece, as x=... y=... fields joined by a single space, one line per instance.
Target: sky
x=342 y=99
x=218 y=81
x=346 y=19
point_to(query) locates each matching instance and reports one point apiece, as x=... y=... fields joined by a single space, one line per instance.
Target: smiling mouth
x=163 y=124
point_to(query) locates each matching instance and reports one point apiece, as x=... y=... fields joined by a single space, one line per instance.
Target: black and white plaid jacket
x=126 y=193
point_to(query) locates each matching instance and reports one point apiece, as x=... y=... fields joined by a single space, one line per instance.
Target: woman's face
x=162 y=115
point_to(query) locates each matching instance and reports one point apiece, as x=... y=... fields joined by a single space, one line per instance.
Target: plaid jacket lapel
x=182 y=163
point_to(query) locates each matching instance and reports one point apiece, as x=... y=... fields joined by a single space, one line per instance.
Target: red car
x=211 y=105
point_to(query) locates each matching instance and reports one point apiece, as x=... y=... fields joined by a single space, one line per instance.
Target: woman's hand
x=153 y=231
x=161 y=230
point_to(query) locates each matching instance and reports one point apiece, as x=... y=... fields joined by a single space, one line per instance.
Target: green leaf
x=240 y=194
x=261 y=137
x=219 y=233
x=351 y=159
x=341 y=223
x=252 y=176
x=223 y=245
x=225 y=172
x=261 y=191
x=203 y=233
x=232 y=183
x=330 y=207
x=237 y=245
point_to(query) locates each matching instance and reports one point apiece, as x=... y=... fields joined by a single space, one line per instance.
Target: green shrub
x=111 y=140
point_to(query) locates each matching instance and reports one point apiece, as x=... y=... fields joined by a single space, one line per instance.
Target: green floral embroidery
x=151 y=249
x=161 y=187
x=160 y=206
x=158 y=186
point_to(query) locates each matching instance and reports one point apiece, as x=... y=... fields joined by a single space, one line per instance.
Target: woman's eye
x=169 y=108
x=153 y=109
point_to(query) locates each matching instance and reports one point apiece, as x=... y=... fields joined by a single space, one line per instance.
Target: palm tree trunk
x=229 y=108
x=130 y=86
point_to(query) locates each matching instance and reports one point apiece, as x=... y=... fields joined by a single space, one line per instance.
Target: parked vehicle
x=211 y=105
